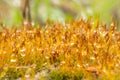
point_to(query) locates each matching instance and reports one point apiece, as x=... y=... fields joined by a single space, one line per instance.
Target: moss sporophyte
x=76 y=50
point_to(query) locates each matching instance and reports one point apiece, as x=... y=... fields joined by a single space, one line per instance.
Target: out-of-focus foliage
x=62 y=10
x=107 y=9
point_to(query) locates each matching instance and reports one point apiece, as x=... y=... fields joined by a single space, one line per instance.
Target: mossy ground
x=73 y=51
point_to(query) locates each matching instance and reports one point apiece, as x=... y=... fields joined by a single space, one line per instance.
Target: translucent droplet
x=86 y=64
x=25 y=22
x=53 y=52
x=104 y=70
x=3 y=34
x=32 y=50
x=39 y=49
x=44 y=64
x=27 y=75
x=30 y=31
x=117 y=65
x=112 y=24
x=32 y=23
x=46 y=57
x=22 y=50
x=92 y=58
x=72 y=43
x=63 y=37
x=63 y=62
x=23 y=55
x=47 y=31
x=77 y=50
x=4 y=52
x=84 y=53
x=97 y=45
x=78 y=65
x=13 y=60
x=103 y=33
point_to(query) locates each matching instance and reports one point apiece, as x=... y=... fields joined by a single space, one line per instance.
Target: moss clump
x=94 y=49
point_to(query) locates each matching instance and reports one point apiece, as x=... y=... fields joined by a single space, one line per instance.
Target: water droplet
x=25 y=22
x=84 y=53
x=22 y=50
x=13 y=60
x=77 y=50
x=46 y=57
x=27 y=75
x=39 y=49
x=97 y=45
x=32 y=23
x=112 y=24
x=23 y=55
x=117 y=65
x=78 y=65
x=92 y=58
x=63 y=62
x=32 y=50
x=4 y=52
x=72 y=43
x=47 y=31
x=104 y=70
x=86 y=64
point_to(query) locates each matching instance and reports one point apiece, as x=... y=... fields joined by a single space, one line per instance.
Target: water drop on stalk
x=72 y=43
x=46 y=57
x=13 y=60
x=23 y=54
x=22 y=50
x=92 y=58
x=27 y=75
x=63 y=62
x=78 y=65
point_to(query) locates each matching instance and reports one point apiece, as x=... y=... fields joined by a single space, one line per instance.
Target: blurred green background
x=60 y=10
